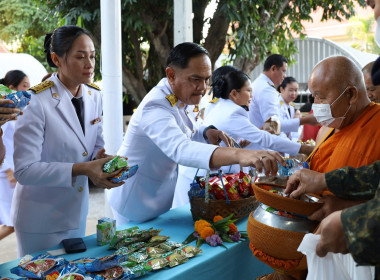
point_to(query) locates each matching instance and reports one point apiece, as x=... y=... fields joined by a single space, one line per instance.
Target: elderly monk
x=350 y=136
x=373 y=91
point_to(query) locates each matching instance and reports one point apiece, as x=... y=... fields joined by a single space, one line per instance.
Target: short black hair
x=285 y=82
x=181 y=54
x=13 y=78
x=61 y=41
x=227 y=83
x=276 y=60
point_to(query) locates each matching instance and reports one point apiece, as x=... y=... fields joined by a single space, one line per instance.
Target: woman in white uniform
x=18 y=81
x=58 y=145
x=160 y=136
x=288 y=93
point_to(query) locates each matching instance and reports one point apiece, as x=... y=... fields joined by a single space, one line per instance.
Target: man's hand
x=261 y=159
x=309 y=119
x=244 y=143
x=332 y=236
x=8 y=114
x=215 y=136
x=305 y=181
x=332 y=204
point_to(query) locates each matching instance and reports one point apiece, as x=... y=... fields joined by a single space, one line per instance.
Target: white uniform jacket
x=159 y=136
x=48 y=141
x=226 y=115
x=287 y=111
x=265 y=103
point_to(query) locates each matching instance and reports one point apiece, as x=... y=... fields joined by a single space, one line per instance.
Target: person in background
x=309 y=132
x=265 y=101
x=288 y=90
x=58 y=146
x=372 y=90
x=161 y=135
x=356 y=229
x=18 y=81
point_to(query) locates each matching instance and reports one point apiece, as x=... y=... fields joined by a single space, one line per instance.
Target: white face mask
x=377 y=32
x=322 y=112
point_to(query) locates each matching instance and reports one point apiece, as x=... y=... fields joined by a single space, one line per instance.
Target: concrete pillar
x=183 y=21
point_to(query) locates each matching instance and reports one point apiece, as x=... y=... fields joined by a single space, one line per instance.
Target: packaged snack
x=170 y=245
x=71 y=272
x=98 y=264
x=129 y=264
x=40 y=266
x=105 y=231
x=115 y=164
x=125 y=174
x=141 y=269
x=188 y=251
x=20 y=98
x=175 y=258
x=126 y=237
x=154 y=252
x=138 y=257
x=158 y=239
x=116 y=272
x=157 y=263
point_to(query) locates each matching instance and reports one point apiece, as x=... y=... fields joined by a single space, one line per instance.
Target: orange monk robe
x=355 y=145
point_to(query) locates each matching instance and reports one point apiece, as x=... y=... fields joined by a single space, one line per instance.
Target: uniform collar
x=269 y=81
x=57 y=81
x=173 y=100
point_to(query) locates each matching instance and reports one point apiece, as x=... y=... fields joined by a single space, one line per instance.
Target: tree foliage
x=246 y=30
x=25 y=23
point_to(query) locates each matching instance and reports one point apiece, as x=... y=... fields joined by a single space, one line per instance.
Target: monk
x=350 y=136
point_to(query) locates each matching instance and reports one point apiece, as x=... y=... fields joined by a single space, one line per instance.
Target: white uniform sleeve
x=240 y=125
x=99 y=135
x=29 y=139
x=269 y=106
x=167 y=135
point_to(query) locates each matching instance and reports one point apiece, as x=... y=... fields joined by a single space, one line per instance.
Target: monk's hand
x=332 y=236
x=216 y=136
x=261 y=159
x=305 y=181
x=332 y=204
x=6 y=113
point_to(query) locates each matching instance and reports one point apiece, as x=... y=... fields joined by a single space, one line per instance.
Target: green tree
x=25 y=23
x=247 y=30
x=360 y=30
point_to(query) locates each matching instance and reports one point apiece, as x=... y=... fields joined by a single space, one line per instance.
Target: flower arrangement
x=216 y=232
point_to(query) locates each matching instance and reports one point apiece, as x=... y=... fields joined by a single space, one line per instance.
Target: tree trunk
x=199 y=7
x=216 y=37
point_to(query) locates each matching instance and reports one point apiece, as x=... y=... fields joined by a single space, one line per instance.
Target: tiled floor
x=8 y=249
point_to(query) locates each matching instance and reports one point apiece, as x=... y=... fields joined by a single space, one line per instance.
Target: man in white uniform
x=160 y=136
x=265 y=100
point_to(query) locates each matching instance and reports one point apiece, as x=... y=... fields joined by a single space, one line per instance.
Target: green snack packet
x=157 y=263
x=129 y=264
x=175 y=258
x=111 y=166
x=141 y=269
x=138 y=257
x=169 y=245
x=158 y=239
x=154 y=252
x=120 y=235
x=121 y=163
x=188 y=251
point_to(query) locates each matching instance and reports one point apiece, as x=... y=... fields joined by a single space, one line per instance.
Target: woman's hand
x=6 y=113
x=215 y=136
x=244 y=143
x=11 y=178
x=102 y=154
x=94 y=171
x=261 y=159
x=305 y=181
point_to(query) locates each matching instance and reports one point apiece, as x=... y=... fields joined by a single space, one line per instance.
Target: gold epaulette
x=172 y=99
x=281 y=102
x=42 y=86
x=214 y=100
x=93 y=86
x=291 y=104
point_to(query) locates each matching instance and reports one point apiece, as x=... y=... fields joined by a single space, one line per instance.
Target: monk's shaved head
x=337 y=80
x=338 y=72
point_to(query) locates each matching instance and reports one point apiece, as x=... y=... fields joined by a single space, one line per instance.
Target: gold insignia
x=97 y=120
x=291 y=104
x=84 y=154
x=196 y=108
x=172 y=99
x=93 y=86
x=42 y=86
x=55 y=95
x=214 y=100
x=281 y=102
x=89 y=92
x=272 y=85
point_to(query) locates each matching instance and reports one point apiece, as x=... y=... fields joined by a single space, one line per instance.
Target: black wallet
x=74 y=245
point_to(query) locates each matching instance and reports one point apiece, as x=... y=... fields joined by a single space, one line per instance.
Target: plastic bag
x=332 y=266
